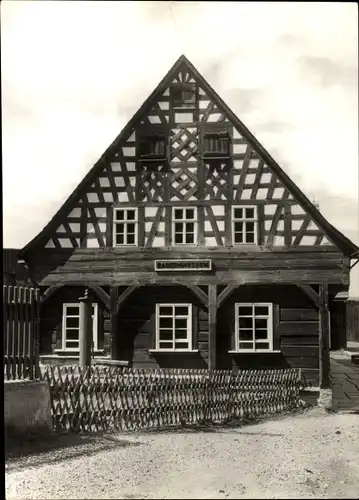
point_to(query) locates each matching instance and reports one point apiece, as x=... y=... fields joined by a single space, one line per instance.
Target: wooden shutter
x=153 y=328
x=195 y=320
x=276 y=320
x=233 y=327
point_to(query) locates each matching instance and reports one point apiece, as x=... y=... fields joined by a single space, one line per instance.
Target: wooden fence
x=20 y=332
x=103 y=399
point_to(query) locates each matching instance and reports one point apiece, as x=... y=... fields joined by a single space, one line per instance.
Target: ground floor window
x=254 y=327
x=174 y=327
x=71 y=326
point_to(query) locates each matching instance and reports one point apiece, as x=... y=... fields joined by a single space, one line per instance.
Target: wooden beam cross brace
x=203 y=297
x=225 y=294
x=102 y=295
x=124 y=295
x=308 y=290
x=49 y=292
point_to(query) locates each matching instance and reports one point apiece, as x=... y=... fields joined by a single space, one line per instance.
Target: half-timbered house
x=197 y=247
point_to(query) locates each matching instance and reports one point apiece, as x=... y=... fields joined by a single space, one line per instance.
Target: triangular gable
x=256 y=176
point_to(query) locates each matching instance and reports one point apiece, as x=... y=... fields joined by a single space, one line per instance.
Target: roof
x=341 y=241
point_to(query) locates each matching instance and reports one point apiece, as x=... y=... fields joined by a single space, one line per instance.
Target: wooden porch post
x=114 y=320
x=212 y=324
x=85 y=326
x=324 y=330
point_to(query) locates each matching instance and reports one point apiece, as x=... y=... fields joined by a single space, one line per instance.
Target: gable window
x=125 y=226
x=183 y=95
x=174 y=327
x=152 y=147
x=184 y=226
x=216 y=144
x=71 y=326
x=254 y=327
x=244 y=225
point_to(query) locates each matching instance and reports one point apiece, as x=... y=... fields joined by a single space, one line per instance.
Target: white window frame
x=125 y=221
x=237 y=305
x=189 y=327
x=185 y=221
x=94 y=326
x=244 y=220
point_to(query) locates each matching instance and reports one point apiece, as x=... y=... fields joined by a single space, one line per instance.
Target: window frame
x=185 y=221
x=125 y=221
x=189 y=337
x=152 y=156
x=64 y=329
x=183 y=88
x=270 y=328
x=216 y=133
x=244 y=221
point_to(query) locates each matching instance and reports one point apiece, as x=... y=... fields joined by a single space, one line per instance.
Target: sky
x=74 y=73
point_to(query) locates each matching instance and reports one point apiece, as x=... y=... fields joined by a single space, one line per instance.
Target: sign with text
x=183 y=265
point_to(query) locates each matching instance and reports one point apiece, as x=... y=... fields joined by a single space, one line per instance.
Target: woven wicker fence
x=103 y=399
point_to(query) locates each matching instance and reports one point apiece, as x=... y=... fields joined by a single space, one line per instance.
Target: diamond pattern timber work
x=184 y=144
x=151 y=185
x=183 y=183
x=216 y=181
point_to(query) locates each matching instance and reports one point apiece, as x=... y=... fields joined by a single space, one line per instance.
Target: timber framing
x=49 y=292
x=216 y=104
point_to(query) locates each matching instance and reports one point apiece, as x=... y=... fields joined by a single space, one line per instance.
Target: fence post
x=85 y=335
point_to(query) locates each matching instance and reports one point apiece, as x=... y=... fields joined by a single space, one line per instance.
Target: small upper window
x=153 y=148
x=184 y=225
x=244 y=225
x=125 y=226
x=184 y=95
x=216 y=144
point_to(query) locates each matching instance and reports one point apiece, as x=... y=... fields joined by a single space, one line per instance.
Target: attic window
x=153 y=148
x=216 y=144
x=184 y=95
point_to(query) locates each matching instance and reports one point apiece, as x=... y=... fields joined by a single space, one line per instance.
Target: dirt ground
x=310 y=455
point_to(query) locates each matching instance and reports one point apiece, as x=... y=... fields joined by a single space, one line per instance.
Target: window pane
x=120 y=214
x=250 y=227
x=245 y=310
x=120 y=228
x=181 y=323
x=178 y=213
x=178 y=238
x=130 y=227
x=238 y=213
x=130 y=239
x=262 y=345
x=238 y=238
x=261 y=310
x=250 y=213
x=165 y=335
x=166 y=322
x=260 y=323
x=261 y=335
x=245 y=335
x=131 y=214
x=181 y=345
x=165 y=310
x=181 y=310
x=73 y=311
x=245 y=322
x=119 y=239
x=181 y=334
x=178 y=227
x=165 y=345
x=190 y=227
x=238 y=227
x=190 y=238
x=72 y=322
x=190 y=213
x=250 y=237
x=246 y=345
x=72 y=335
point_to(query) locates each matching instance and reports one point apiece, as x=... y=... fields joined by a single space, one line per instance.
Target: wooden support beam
x=85 y=330
x=199 y=294
x=101 y=295
x=49 y=292
x=308 y=290
x=324 y=332
x=124 y=295
x=114 y=321
x=212 y=324
x=225 y=294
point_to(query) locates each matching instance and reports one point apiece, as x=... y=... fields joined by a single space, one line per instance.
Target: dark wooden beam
x=114 y=321
x=324 y=332
x=102 y=295
x=225 y=294
x=308 y=290
x=49 y=292
x=212 y=324
x=199 y=294
x=124 y=295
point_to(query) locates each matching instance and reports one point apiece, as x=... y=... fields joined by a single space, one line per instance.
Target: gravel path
x=312 y=455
